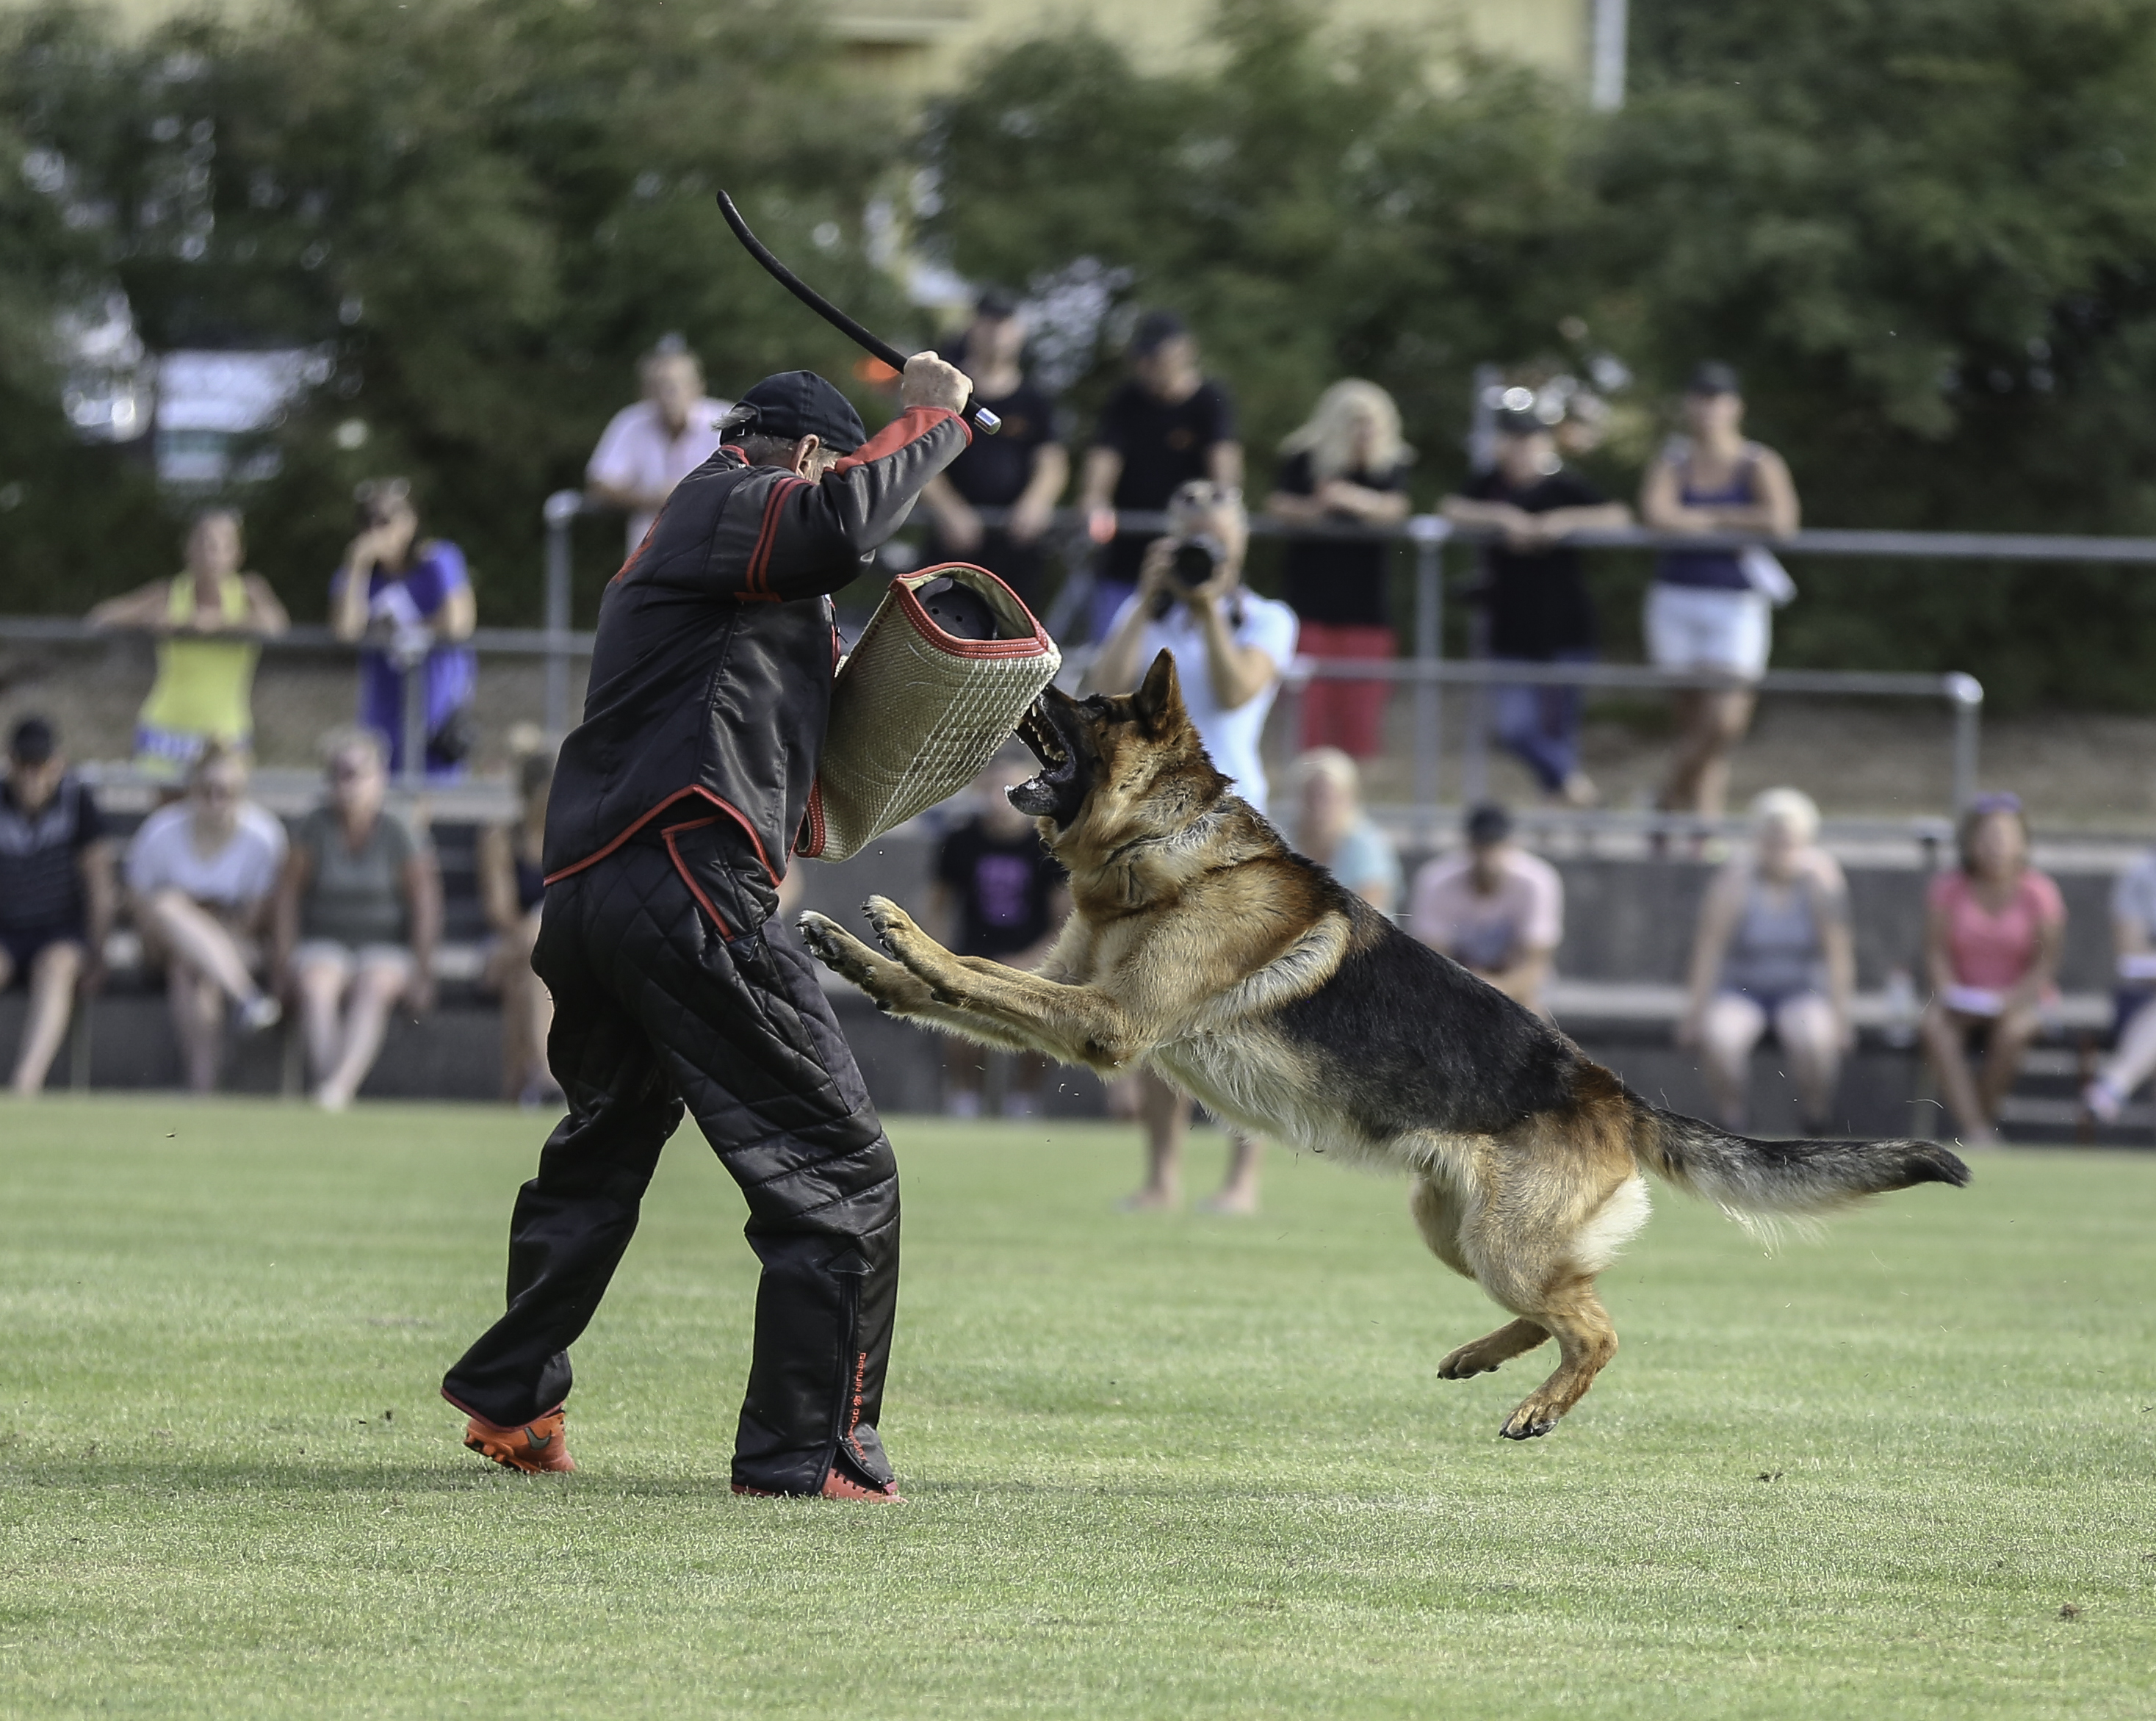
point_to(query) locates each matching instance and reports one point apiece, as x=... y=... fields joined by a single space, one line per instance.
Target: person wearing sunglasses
x=1994 y=928
x=200 y=876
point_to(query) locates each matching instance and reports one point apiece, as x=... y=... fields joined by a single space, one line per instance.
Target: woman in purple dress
x=412 y=600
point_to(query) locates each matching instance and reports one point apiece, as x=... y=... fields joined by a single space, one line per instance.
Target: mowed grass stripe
x=1156 y=1466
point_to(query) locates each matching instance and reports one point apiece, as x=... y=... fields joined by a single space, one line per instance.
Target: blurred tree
x=481 y=214
x=1925 y=229
x=1926 y=232
x=1313 y=206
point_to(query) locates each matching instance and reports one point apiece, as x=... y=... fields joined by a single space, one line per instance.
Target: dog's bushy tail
x=1757 y=1183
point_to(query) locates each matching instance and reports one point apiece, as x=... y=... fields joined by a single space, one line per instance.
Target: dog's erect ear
x=1159 y=701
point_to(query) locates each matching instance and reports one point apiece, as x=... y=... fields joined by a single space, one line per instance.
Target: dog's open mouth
x=1058 y=760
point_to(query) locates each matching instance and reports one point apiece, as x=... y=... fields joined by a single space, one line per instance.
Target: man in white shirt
x=647 y=449
x=1496 y=910
x=1230 y=647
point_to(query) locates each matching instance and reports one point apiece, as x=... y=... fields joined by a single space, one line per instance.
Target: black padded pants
x=661 y=998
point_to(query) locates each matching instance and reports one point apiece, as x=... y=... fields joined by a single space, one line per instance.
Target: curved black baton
x=973 y=412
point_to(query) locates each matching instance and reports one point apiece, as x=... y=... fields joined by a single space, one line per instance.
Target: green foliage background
x=1925 y=229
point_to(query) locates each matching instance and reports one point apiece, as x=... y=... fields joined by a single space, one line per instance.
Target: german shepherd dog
x=1200 y=945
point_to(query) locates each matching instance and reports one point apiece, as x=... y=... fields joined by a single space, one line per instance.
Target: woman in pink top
x=1993 y=933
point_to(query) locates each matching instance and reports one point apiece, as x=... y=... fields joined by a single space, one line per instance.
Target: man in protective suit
x=674 y=808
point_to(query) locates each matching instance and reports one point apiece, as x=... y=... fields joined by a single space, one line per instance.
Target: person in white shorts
x=1230 y=648
x=200 y=875
x=1703 y=610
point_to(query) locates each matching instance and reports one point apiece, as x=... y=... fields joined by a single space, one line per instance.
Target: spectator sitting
x=1774 y=950
x=1993 y=933
x=1229 y=647
x=415 y=598
x=2133 y=936
x=512 y=883
x=1165 y=428
x=1022 y=467
x=1345 y=466
x=209 y=620
x=56 y=892
x=998 y=894
x=1332 y=828
x=1496 y=910
x=359 y=911
x=1703 y=611
x=200 y=873
x=1535 y=592
x=648 y=447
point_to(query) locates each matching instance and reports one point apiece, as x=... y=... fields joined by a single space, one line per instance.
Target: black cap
x=996 y=305
x=794 y=404
x=33 y=741
x=1488 y=823
x=1517 y=421
x=1713 y=377
x=1154 y=331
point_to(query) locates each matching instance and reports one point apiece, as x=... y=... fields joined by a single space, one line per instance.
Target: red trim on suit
x=679 y=795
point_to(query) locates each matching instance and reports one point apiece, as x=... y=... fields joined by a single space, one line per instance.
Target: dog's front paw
x=838 y=949
x=893 y=926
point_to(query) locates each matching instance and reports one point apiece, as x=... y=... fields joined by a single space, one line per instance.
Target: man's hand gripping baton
x=978 y=416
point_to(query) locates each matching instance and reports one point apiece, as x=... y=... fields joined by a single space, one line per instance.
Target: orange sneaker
x=539 y=1446
x=836 y=1486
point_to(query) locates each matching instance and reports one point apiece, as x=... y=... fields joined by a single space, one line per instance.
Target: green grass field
x=1156 y=1466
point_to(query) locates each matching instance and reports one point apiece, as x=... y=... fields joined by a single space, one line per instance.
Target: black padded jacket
x=710 y=679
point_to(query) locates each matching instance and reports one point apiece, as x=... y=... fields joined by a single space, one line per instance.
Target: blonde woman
x=210 y=620
x=1345 y=466
x=1774 y=950
x=1332 y=828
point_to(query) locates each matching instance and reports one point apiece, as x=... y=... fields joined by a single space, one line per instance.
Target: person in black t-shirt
x=998 y=894
x=57 y=892
x=1347 y=466
x=1164 y=427
x=1534 y=591
x=1023 y=467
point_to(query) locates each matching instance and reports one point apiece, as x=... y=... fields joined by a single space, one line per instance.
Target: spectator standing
x=1704 y=610
x=1230 y=647
x=56 y=892
x=512 y=884
x=2134 y=938
x=1994 y=930
x=201 y=875
x=648 y=447
x=998 y=894
x=1496 y=910
x=1167 y=426
x=1535 y=594
x=1023 y=467
x=1345 y=466
x=1332 y=828
x=210 y=620
x=358 y=914
x=414 y=597
x=1774 y=950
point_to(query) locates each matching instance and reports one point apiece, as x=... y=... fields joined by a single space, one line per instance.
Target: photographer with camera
x=1230 y=647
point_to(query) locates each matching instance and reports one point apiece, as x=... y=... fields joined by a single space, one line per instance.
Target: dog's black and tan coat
x=1199 y=945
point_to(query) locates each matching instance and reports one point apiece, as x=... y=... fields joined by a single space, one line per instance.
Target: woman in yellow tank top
x=209 y=622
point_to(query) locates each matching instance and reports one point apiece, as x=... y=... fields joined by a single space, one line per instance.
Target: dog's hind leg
x=1539 y=1257
x=1574 y=1315
x=1437 y=1213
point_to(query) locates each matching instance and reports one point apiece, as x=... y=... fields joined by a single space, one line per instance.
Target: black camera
x=1195 y=560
